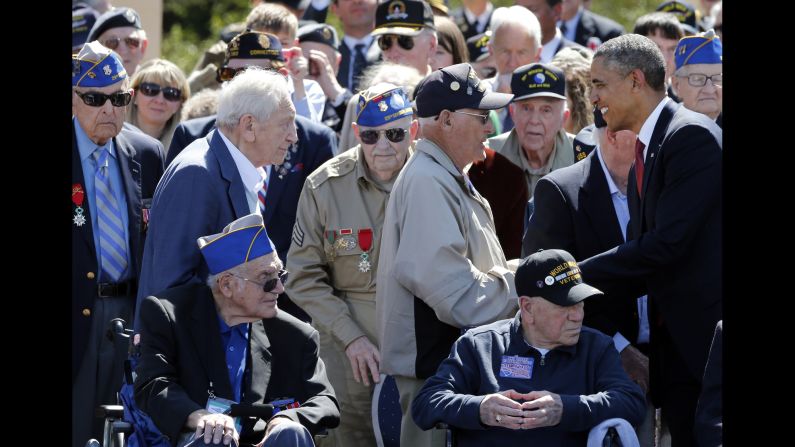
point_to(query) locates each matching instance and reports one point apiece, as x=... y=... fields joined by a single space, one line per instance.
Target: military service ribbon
x=77 y=198
x=365 y=242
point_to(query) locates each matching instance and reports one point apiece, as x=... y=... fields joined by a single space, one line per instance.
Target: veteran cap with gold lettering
x=554 y=276
x=532 y=80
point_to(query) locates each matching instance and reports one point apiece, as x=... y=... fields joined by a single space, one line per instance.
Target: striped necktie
x=262 y=193
x=112 y=244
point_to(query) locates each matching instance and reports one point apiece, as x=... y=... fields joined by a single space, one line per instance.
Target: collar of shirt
x=611 y=185
x=86 y=147
x=351 y=42
x=249 y=174
x=483 y=19
x=648 y=126
x=571 y=25
x=518 y=344
x=548 y=50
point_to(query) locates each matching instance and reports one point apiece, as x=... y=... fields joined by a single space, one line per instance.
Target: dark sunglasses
x=113 y=42
x=270 y=284
x=152 y=89
x=395 y=135
x=97 y=99
x=405 y=42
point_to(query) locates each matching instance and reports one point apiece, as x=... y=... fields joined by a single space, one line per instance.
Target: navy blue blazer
x=676 y=246
x=372 y=55
x=573 y=211
x=592 y=24
x=141 y=165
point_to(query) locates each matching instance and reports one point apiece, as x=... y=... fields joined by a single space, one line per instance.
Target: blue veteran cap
x=374 y=110
x=684 y=12
x=532 y=80
x=704 y=48
x=96 y=66
x=83 y=18
x=255 y=45
x=241 y=241
x=115 y=18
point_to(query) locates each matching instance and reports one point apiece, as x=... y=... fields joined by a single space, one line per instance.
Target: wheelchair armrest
x=109 y=411
x=121 y=427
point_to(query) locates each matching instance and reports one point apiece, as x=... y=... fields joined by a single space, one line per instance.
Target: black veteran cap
x=585 y=141
x=115 y=18
x=320 y=33
x=83 y=19
x=255 y=45
x=554 y=276
x=403 y=17
x=532 y=80
x=456 y=87
x=478 y=46
x=684 y=12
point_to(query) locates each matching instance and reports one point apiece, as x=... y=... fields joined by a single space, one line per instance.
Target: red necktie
x=639 y=146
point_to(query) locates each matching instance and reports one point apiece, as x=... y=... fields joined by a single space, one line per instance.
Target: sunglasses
x=270 y=284
x=113 y=42
x=152 y=89
x=395 y=135
x=97 y=99
x=405 y=42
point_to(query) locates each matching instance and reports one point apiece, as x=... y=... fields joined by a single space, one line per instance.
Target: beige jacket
x=441 y=267
x=326 y=278
x=562 y=155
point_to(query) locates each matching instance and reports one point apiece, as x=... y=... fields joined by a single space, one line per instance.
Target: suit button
x=86 y=312
x=90 y=275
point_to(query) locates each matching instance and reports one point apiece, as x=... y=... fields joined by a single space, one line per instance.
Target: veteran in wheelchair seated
x=540 y=378
x=207 y=346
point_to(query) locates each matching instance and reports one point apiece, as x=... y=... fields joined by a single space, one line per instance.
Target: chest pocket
x=345 y=259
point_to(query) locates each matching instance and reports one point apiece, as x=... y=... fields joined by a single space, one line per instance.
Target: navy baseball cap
x=320 y=33
x=255 y=45
x=554 y=276
x=115 y=18
x=456 y=87
x=683 y=11
x=403 y=17
x=478 y=46
x=83 y=19
x=533 y=80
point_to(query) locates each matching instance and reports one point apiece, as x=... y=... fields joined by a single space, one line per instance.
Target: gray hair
x=632 y=51
x=254 y=91
x=519 y=16
x=204 y=103
x=391 y=73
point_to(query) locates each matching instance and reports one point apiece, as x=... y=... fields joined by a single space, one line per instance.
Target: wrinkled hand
x=216 y=427
x=637 y=366
x=363 y=355
x=545 y=409
x=325 y=77
x=502 y=410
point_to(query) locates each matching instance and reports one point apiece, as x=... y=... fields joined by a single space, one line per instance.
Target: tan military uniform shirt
x=562 y=155
x=439 y=245
x=329 y=276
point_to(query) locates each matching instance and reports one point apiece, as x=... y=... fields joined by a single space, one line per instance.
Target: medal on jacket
x=331 y=237
x=365 y=242
x=78 y=195
x=346 y=242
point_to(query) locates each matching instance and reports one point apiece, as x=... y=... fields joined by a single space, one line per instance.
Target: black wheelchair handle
x=262 y=411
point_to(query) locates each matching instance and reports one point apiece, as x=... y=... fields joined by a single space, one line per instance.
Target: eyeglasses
x=113 y=42
x=152 y=89
x=97 y=99
x=483 y=118
x=700 y=80
x=395 y=135
x=405 y=42
x=270 y=284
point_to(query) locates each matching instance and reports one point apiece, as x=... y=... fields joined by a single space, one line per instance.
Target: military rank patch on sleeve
x=298 y=234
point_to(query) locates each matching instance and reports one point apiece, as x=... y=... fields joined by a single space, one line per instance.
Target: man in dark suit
x=585 y=27
x=357 y=48
x=114 y=174
x=217 y=179
x=472 y=17
x=204 y=345
x=675 y=221
x=548 y=13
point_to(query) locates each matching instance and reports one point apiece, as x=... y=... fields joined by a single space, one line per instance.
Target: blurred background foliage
x=191 y=26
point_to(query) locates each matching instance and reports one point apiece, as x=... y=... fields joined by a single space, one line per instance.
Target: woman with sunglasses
x=160 y=90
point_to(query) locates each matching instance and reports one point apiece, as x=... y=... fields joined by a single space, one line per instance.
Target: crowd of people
x=512 y=213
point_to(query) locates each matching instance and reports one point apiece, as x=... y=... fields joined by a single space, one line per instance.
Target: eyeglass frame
x=483 y=118
x=131 y=42
x=270 y=284
x=128 y=95
x=172 y=94
x=383 y=132
x=706 y=78
x=399 y=38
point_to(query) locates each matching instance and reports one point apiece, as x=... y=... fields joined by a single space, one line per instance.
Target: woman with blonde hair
x=160 y=90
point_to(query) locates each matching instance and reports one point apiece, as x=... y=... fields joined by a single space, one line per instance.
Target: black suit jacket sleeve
x=550 y=225
x=690 y=160
x=709 y=412
x=157 y=390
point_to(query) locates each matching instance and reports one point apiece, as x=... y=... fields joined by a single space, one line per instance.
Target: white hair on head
x=519 y=16
x=255 y=91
